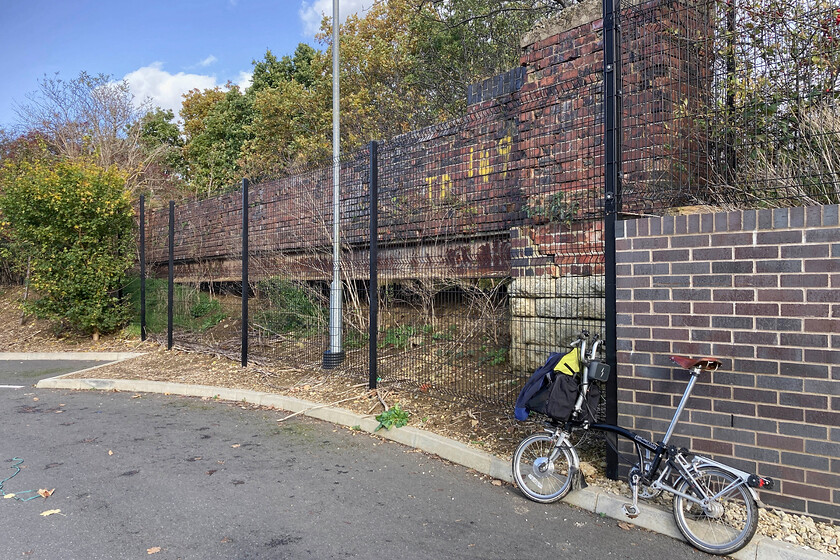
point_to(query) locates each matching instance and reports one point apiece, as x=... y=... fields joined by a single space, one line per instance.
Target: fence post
x=171 y=286
x=142 y=267
x=373 y=308
x=245 y=286
x=612 y=194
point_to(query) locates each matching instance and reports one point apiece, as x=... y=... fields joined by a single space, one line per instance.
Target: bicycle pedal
x=630 y=511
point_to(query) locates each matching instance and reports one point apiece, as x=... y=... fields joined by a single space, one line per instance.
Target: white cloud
x=244 y=80
x=312 y=11
x=208 y=61
x=164 y=89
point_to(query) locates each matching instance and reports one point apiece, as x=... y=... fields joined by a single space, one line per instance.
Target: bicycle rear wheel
x=537 y=476
x=727 y=523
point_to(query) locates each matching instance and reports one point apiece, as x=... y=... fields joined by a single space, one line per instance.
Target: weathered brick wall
x=529 y=134
x=761 y=291
x=667 y=79
x=557 y=284
x=467 y=198
x=556 y=267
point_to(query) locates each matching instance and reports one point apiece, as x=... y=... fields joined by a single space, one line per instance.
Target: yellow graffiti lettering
x=430 y=181
x=440 y=185
x=484 y=163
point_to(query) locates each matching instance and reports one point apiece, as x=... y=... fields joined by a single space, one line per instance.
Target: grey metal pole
x=170 y=294
x=335 y=354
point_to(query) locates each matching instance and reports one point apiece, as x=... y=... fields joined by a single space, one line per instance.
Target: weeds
x=398 y=336
x=393 y=417
x=291 y=308
x=193 y=310
x=555 y=209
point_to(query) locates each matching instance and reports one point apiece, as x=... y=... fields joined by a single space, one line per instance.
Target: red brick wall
x=761 y=291
x=469 y=178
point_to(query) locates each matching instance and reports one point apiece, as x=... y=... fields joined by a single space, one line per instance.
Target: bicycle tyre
x=730 y=526
x=540 y=480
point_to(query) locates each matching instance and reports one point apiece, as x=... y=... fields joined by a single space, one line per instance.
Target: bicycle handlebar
x=580 y=342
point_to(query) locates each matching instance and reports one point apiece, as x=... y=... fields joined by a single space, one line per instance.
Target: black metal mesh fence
x=490 y=243
x=447 y=198
x=206 y=292
x=489 y=252
x=289 y=262
x=291 y=266
x=490 y=228
x=730 y=104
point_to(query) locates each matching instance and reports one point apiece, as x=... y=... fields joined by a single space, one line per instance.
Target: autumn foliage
x=70 y=223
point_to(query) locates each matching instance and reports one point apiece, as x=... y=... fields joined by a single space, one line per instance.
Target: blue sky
x=162 y=48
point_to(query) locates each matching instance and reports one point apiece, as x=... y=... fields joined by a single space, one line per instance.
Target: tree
x=164 y=145
x=24 y=147
x=293 y=96
x=774 y=80
x=216 y=125
x=376 y=62
x=271 y=72
x=460 y=42
x=196 y=107
x=72 y=225
x=289 y=120
x=291 y=126
x=405 y=64
x=88 y=116
x=96 y=117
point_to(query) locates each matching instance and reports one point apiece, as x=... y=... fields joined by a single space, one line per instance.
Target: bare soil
x=481 y=426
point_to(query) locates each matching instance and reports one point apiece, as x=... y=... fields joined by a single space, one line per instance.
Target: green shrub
x=204 y=312
x=71 y=224
x=398 y=336
x=292 y=308
x=193 y=310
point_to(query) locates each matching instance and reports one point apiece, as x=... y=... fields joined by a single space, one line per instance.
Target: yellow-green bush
x=71 y=226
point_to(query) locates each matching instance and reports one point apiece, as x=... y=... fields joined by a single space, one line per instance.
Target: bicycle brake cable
x=621 y=456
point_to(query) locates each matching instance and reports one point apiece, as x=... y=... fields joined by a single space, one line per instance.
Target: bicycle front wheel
x=726 y=522
x=538 y=476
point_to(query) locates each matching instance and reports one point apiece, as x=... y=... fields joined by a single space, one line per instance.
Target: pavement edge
x=591 y=498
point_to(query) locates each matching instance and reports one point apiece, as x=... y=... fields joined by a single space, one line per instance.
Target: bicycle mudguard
x=745 y=477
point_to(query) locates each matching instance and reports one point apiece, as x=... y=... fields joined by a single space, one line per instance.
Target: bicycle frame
x=660 y=451
x=715 y=506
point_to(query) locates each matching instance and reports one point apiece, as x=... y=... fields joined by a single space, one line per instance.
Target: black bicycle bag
x=553 y=389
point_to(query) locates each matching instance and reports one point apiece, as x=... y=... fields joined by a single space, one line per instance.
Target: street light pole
x=335 y=354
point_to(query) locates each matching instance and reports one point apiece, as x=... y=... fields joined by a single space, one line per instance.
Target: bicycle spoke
x=726 y=521
x=537 y=475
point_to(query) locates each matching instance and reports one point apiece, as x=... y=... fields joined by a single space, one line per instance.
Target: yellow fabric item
x=570 y=363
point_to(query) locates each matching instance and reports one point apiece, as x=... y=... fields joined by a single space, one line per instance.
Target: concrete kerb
x=591 y=498
x=107 y=358
x=80 y=356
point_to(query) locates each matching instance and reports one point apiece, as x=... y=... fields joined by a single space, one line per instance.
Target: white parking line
x=12 y=386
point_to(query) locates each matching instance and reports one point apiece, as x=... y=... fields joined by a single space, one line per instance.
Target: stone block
x=523 y=307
